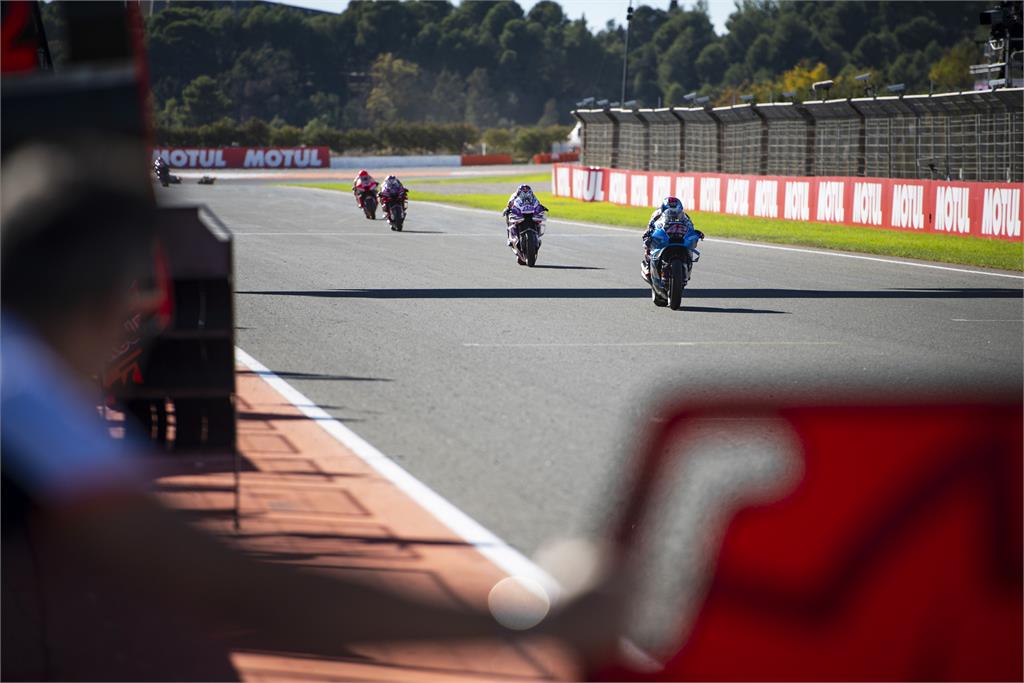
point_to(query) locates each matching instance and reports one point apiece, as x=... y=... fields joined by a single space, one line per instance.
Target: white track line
x=758 y=245
x=505 y=557
x=987 y=320
x=501 y=554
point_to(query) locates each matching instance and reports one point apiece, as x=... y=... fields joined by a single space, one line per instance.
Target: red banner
x=991 y=210
x=245 y=157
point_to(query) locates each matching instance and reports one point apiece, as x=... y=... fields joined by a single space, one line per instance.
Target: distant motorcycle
x=368 y=200
x=673 y=254
x=525 y=228
x=393 y=206
x=162 y=171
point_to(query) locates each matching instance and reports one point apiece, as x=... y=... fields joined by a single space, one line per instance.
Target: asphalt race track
x=515 y=392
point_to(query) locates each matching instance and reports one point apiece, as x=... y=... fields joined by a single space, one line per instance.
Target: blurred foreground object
x=173 y=373
x=896 y=556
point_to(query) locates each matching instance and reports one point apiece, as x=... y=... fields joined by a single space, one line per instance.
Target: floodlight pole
x=625 y=52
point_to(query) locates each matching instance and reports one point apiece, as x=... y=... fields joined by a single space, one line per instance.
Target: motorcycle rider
x=671 y=209
x=162 y=170
x=391 y=192
x=362 y=184
x=393 y=189
x=524 y=192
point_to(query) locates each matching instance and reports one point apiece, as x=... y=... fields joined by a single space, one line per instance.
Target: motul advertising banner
x=991 y=210
x=245 y=157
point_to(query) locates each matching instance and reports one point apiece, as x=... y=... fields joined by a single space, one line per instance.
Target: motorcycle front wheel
x=531 y=249
x=675 y=292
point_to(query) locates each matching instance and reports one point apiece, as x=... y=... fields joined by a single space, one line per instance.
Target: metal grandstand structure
x=957 y=136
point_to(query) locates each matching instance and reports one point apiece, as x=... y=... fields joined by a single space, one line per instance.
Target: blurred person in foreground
x=100 y=581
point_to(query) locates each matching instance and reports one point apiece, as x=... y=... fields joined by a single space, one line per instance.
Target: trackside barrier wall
x=976 y=136
x=990 y=210
x=245 y=157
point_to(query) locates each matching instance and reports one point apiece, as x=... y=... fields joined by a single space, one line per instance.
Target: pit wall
x=989 y=210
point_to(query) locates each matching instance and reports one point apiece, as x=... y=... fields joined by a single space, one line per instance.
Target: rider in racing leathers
x=393 y=188
x=363 y=183
x=671 y=209
x=524 y=192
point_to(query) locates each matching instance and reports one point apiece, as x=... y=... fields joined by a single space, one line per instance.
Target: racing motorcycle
x=368 y=199
x=525 y=228
x=394 y=210
x=673 y=254
x=162 y=171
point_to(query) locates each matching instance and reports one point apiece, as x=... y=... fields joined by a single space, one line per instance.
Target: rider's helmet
x=364 y=173
x=525 y=193
x=672 y=209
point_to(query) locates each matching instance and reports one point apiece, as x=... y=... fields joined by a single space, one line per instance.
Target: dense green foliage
x=491 y=64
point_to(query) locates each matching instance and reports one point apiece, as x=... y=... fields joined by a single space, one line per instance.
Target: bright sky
x=597 y=12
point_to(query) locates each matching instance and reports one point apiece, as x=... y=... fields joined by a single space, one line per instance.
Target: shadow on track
x=424 y=232
x=283 y=374
x=469 y=293
x=244 y=415
x=636 y=292
x=556 y=267
x=898 y=293
x=712 y=309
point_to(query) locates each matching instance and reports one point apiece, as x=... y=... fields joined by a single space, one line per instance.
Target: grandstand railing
x=956 y=136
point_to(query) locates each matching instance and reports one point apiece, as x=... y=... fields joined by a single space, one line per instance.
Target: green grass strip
x=972 y=251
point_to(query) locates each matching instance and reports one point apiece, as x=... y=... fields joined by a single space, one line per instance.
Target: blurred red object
x=22 y=40
x=897 y=556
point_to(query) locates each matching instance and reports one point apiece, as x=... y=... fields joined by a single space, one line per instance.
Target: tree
x=491 y=62
x=328 y=107
x=498 y=140
x=319 y=133
x=952 y=71
x=254 y=133
x=285 y=136
x=800 y=78
x=712 y=62
x=204 y=102
x=550 y=115
x=448 y=100
x=393 y=96
x=481 y=108
x=265 y=82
